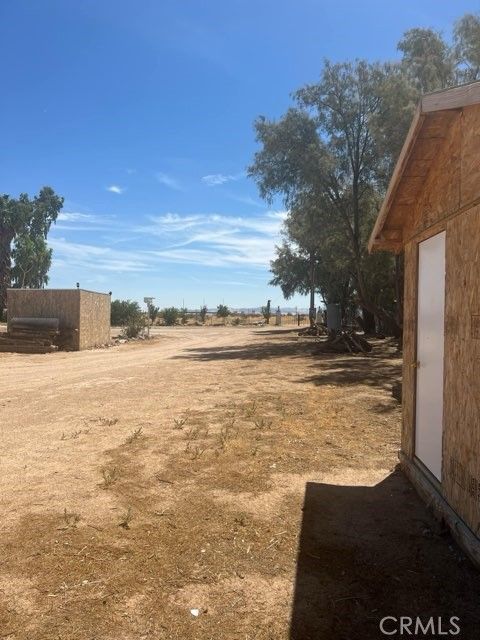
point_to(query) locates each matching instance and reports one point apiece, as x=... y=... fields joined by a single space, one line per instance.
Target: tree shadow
x=278 y=332
x=378 y=369
x=255 y=351
x=381 y=368
x=370 y=552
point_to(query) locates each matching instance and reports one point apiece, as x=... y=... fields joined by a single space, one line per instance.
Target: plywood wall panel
x=470 y=155
x=461 y=440
x=86 y=312
x=440 y=195
x=63 y=304
x=94 y=319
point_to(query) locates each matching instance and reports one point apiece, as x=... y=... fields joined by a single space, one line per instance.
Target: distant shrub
x=183 y=315
x=203 y=314
x=124 y=312
x=170 y=316
x=153 y=312
x=134 y=328
x=236 y=322
x=223 y=311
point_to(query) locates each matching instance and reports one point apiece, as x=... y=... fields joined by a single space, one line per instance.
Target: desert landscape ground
x=215 y=482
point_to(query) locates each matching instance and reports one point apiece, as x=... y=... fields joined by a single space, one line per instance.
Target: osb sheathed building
x=84 y=315
x=431 y=213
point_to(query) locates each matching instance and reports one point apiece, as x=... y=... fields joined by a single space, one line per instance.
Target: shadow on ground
x=378 y=369
x=278 y=332
x=255 y=351
x=370 y=552
x=381 y=368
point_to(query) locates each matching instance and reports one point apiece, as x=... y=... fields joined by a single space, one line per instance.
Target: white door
x=430 y=341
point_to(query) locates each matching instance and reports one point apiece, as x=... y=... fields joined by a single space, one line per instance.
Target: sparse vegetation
x=134 y=435
x=124 y=312
x=203 y=314
x=71 y=518
x=179 y=423
x=126 y=519
x=109 y=477
x=170 y=316
x=223 y=312
x=263 y=424
x=251 y=409
x=153 y=312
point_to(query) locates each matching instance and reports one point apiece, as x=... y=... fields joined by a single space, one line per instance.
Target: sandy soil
x=226 y=472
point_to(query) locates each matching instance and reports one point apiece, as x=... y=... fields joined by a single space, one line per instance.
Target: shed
x=431 y=212
x=84 y=315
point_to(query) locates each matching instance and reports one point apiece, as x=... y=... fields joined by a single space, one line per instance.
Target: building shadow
x=370 y=552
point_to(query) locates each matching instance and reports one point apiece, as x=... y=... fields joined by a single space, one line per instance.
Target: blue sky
x=140 y=114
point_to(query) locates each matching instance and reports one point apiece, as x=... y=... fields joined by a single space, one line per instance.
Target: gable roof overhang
x=426 y=135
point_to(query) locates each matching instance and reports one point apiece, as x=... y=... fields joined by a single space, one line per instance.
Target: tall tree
x=327 y=151
x=427 y=59
x=466 y=39
x=22 y=219
x=31 y=261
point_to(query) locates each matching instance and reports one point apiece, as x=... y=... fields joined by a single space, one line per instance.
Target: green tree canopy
x=466 y=39
x=24 y=226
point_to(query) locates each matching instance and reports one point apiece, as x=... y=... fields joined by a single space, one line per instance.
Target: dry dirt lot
x=226 y=471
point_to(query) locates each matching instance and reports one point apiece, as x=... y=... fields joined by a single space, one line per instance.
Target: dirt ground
x=214 y=483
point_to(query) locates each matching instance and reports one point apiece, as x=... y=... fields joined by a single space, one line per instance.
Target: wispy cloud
x=168 y=181
x=114 y=188
x=216 y=179
x=73 y=216
x=94 y=257
x=76 y=221
x=208 y=240
x=215 y=239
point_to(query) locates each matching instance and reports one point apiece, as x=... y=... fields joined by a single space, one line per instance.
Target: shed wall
x=461 y=435
x=87 y=313
x=94 y=319
x=452 y=184
x=450 y=201
x=63 y=304
x=440 y=195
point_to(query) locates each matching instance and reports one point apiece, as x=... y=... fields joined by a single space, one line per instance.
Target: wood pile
x=31 y=335
x=344 y=342
x=316 y=330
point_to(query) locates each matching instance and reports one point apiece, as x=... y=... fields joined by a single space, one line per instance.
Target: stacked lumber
x=66 y=339
x=31 y=335
x=344 y=342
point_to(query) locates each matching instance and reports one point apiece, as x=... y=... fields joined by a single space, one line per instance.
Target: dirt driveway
x=216 y=483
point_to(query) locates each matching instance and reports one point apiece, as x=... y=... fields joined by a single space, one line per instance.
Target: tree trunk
x=6 y=238
x=368 y=322
x=312 y=312
x=388 y=321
